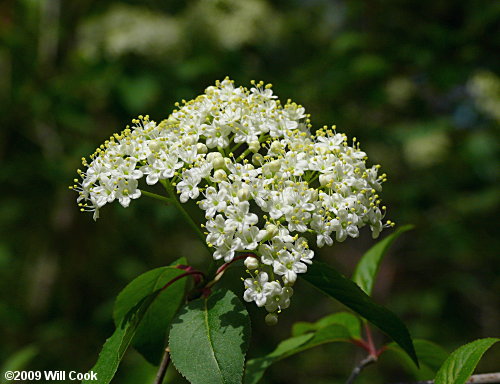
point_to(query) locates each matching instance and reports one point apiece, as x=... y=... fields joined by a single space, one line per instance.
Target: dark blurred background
x=418 y=83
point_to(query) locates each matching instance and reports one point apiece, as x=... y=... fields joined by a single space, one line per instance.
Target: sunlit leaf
x=209 y=339
x=462 y=362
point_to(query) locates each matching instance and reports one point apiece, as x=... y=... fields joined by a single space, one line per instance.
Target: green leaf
x=131 y=306
x=367 y=268
x=209 y=339
x=114 y=348
x=151 y=334
x=430 y=356
x=346 y=319
x=462 y=362
x=18 y=361
x=331 y=282
x=328 y=334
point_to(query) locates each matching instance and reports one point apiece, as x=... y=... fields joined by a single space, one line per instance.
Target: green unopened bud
x=276 y=146
x=201 y=148
x=243 y=194
x=266 y=171
x=271 y=319
x=254 y=146
x=154 y=145
x=271 y=231
x=274 y=166
x=251 y=263
x=258 y=159
x=218 y=162
x=220 y=175
x=324 y=179
x=213 y=155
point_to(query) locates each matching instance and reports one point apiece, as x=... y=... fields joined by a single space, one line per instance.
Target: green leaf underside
x=131 y=307
x=461 y=364
x=430 y=356
x=335 y=285
x=330 y=333
x=348 y=320
x=151 y=334
x=367 y=268
x=209 y=338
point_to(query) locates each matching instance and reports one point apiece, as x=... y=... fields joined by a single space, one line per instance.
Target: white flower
x=227 y=249
x=249 y=238
x=254 y=168
x=288 y=265
x=254 y=289
x=188 y=187
x=215 y=201
x=278 y=297
x=239 y=216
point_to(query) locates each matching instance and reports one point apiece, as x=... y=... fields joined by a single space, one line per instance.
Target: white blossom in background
x=233 y=23
x=125 y=29
x=267 y=185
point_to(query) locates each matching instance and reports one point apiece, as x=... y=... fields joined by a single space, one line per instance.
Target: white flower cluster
x=268 y=186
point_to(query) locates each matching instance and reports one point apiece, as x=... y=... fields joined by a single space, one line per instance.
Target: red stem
x=361 y=343
x=225 y=265
x=372 y=350
x=180 y=277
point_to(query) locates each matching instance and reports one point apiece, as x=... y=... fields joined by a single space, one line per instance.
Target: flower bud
x=271 y=231
x=154 y=145
x=251 y=262
x=212 y=156
x=314 y=195
x=243 y=194
x=220 y=175
x=274 y=166
x=276 y=146
x=201 y=148
x=254 y=146
x=324 y=179
x=258 y=159
x=271 y=319
x=218 y=162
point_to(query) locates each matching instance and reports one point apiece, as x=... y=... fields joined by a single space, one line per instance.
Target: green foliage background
x=418 y=83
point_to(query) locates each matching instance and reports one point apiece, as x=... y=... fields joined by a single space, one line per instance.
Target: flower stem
x=157 y=197
x=243 y=155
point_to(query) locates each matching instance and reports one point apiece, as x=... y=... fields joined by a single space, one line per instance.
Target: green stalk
x=157 y=197
x=243 y=155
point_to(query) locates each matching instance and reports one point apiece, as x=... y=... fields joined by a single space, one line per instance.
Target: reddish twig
x=223 y=267
x=162 y=370
x=180 y=277
x=371 y=346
